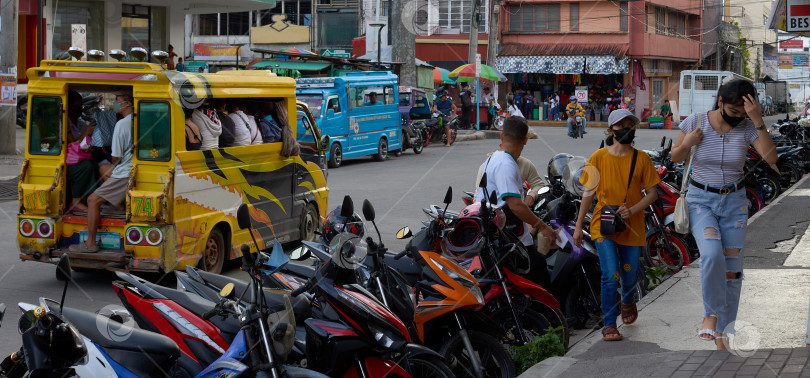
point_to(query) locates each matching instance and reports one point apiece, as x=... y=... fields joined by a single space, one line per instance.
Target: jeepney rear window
x=45 y=131
x=404 y=99
x=154 y=131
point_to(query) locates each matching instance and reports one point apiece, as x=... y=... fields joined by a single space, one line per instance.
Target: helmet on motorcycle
x=557 y=164
x=333 y=225
x=348 y=249
x=474 y=210
x=465 y=240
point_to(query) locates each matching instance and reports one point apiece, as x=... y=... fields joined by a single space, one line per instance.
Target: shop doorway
x=657 y=95
x=143 y=26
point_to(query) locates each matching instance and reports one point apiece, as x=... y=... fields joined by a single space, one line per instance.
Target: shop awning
x=560 y=65
x=291 y=65
x=564 y=49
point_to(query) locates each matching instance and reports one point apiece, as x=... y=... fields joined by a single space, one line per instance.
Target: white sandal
x=707 y=334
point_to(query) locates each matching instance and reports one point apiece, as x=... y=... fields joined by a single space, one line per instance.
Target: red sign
x=791 y=44
x=799 y=10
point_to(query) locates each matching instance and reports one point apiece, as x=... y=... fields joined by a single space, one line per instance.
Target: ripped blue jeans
x=718 y=223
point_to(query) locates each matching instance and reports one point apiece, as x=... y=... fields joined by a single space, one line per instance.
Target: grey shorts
x=114 y=190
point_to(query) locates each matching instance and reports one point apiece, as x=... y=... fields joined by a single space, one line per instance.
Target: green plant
x=542 y=347
x=657 y=275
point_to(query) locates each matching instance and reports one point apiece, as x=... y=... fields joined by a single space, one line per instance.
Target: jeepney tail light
x=154 y=236
x=134 y=235
x=27 y=227
x=45 y=229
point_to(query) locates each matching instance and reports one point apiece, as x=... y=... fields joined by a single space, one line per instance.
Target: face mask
x=624 y=136
x=732 y=121
x=117 y=107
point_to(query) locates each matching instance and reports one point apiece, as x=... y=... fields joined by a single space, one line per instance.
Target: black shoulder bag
x=611 y=223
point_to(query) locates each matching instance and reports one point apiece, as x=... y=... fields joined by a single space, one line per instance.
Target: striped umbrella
x=295 y=50
x=441 y=76
x=467 y=73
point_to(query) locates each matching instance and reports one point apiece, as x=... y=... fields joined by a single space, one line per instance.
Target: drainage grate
x=8 y=190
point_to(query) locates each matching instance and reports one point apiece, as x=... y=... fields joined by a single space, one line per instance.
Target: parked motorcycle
x=434 y=128
x=413 y=136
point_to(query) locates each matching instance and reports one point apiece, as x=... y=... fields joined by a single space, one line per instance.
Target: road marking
x=801 y=252
x=801 y=192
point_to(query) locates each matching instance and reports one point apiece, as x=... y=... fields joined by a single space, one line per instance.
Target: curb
x=486 y=134
x=594 y=124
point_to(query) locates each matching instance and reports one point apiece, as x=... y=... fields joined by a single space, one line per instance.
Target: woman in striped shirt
x=718 y=207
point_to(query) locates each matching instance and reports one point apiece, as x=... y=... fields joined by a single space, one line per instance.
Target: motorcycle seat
x=275 y=302
x=303 y=271
x=432 y=122
x=99 y=329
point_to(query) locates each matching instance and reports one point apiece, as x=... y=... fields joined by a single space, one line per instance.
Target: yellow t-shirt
x=609 y=180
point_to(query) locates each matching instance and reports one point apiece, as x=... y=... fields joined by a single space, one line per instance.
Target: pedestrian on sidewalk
x=716 y=197
x=467 y=106
x=617 y=176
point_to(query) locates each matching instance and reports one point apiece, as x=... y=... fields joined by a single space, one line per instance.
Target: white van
x=698 y=91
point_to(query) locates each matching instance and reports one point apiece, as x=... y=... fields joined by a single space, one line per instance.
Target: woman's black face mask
x=624 y=136
x=732 y=121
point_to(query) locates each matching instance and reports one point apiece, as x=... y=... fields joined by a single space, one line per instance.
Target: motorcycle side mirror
x=226 y=291
x=63 y=272
x=325 y=142
x=243 y=216
x=247 y=258
x=2 y=312
x=669 y=145
x=483 y=182
x=448 y=197
x=347 y=208
x=493 y=198
x=404 y=233
x=663 y=140
x=368 y=210
x=602 y=145
x=300 y=254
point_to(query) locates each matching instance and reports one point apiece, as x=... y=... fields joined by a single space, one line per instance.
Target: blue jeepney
x=359 y=112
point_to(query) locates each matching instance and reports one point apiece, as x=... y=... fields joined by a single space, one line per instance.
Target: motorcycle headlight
x=470 y=285
x=382 y=336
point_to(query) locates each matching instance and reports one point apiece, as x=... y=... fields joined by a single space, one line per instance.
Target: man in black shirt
x=466 y=106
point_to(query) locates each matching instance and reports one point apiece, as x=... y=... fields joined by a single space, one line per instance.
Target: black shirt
x=228 y=136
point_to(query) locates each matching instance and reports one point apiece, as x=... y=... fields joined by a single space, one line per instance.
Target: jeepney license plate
x=107 y=240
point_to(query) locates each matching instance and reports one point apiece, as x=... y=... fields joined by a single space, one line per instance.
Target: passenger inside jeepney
x=82 y=176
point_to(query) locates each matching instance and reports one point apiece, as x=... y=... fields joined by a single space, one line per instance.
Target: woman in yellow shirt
x=618 y=253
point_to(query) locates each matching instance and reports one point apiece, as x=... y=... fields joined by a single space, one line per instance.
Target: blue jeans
x=617 y=262
x=571 y=123
x=718 y=223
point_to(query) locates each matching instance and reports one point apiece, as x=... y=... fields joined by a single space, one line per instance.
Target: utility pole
x=473 y=31
x=492 y=45
x=8 y=61
x=403 y=41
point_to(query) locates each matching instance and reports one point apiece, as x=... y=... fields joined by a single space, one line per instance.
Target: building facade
x=611 y=50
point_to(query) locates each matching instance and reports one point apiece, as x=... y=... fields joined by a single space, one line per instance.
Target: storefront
x=599 y=73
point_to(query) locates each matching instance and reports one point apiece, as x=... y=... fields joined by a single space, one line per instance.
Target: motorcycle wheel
x=770 y=188
x=419 y=145
x=656 y=254
x=754 y=201
x=452 y=136
x=790 y=174
x=581 y=310
x=534 y=321
x=428 y=367
x=497 y=364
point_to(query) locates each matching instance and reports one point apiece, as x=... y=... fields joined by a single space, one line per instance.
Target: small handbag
x=681 y=215
x=611 y=223
x=76 y=153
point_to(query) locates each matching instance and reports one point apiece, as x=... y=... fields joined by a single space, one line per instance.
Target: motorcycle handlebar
x=300 y=290
x=400 y=255
x=210 y=314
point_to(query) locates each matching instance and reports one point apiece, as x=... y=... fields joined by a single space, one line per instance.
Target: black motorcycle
x=413 y=136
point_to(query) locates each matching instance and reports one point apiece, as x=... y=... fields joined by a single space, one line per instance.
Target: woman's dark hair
x=735 y=91
x=510 y=101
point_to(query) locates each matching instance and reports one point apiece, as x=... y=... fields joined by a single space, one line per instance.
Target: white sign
x=477 y=65
x=798 y=15
x=8 y=90
x=582 y=94
x=78 y=37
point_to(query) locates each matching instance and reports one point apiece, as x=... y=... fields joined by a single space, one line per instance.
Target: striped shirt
x=720 y=158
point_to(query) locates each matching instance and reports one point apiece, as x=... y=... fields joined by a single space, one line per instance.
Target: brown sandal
x=611 y=333
x=629 y=313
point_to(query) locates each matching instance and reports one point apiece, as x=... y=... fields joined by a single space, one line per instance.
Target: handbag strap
x=688 y=170
x=630 y=179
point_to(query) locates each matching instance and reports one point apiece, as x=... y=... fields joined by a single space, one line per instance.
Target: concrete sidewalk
x=771 y=327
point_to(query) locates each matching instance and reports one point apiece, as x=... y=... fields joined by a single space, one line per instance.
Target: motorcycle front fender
x=532 y=289
x=479 y=321
x=417 y=350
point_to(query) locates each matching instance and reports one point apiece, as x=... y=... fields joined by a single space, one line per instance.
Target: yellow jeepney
x=180 y=206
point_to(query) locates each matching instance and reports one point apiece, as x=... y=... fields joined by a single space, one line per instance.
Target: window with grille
x=208 y=24
x=680 y=25
x=623 y=15
x=534 y=18
x=660 y=20
x=687 y=81
x=706 y=83
x=236 y=23
x=455 y=15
